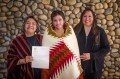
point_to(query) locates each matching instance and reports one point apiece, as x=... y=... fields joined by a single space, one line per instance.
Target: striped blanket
x=64 y=55
x=19 y=49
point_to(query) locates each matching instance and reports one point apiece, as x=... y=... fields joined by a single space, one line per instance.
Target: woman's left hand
x=85 y=56
x=28 y=59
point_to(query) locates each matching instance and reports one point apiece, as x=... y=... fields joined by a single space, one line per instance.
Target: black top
x=32 y=41
x=97 y=52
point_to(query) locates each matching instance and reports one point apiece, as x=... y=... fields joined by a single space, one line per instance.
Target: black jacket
x=97 y=52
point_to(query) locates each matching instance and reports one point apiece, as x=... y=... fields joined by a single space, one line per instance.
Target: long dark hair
x=23 y=28
x=55 y=13
x=94 y=28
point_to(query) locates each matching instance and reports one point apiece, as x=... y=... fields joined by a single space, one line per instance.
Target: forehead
x=57 y=16
x=88 y=13
x=30 y=20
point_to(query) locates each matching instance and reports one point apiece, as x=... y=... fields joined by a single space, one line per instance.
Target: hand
x=28 y=59
x=85 y=56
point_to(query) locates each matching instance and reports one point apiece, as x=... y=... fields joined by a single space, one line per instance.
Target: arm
x=104 y=46
x=27 y=59
x=12 y=59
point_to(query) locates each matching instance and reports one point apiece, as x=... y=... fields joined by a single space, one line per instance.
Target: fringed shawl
x=64 y=55
x=19 y=49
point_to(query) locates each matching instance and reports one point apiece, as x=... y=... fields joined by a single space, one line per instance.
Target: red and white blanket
x=64 y=55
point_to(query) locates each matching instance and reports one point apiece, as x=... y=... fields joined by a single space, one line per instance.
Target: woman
x=93 y=45
x=19 y=54
x=64 y=54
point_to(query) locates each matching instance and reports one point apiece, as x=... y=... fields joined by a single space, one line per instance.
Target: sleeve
x=12 y=59
x=104 y=47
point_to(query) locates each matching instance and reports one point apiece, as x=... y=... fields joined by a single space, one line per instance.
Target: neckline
x=31 y=36
x=87 y=31
x=31 y=39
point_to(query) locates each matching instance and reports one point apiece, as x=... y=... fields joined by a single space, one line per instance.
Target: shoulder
x=101 y=29
x=39 y=36
x=18 y=37
x=21 y=36
x=15 y=40
x=102 y=32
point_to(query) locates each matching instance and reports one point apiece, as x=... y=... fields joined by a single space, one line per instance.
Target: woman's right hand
x=27 y=59
x=85 y=56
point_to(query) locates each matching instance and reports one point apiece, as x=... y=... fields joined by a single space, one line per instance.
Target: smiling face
x=58 y=22
x=87 y=19
x=30 y=26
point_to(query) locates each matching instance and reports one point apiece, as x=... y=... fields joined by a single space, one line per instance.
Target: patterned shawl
x=19 y=49
x=64 y=55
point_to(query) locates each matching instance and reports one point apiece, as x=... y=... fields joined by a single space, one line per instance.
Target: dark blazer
x=97 y=52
